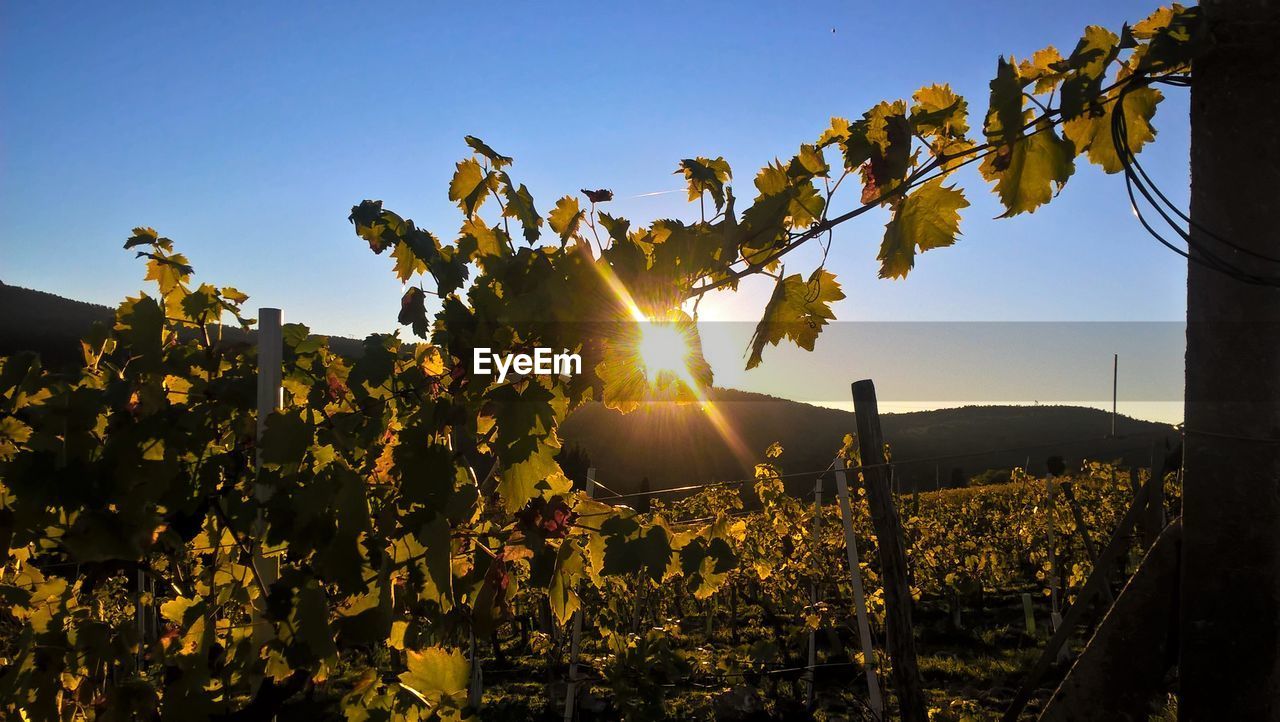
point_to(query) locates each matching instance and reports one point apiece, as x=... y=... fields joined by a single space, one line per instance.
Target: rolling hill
x=678 y=445
x=52 y=326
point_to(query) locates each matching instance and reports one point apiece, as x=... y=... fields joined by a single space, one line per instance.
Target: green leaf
x=469 y=186
x=616 y=227
x=797 y=311
x=13 y=433
x=520 y=207
x=439 y=678
x=1005 y=116
x=168 y=271
x=1082 y=85
x=483 y=149
x=1028 y=172
x=376 y=226
x=286 y=438
x=784 y=203
x=309 y=621
x=704 y=175
x=1093 y=133
x=939 y=111
x=888 y=133
x=520 y=482
x=234 y=295
x=480 y=241
x=838 y=132
x=148 y=237
x=632 y=549
x=565 y=218
x=808 y=163
x=562 y=592
x=407 y=262
x=929 y=217
x=1044 y=68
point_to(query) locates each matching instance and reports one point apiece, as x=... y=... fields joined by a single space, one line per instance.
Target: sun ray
x=664 y=347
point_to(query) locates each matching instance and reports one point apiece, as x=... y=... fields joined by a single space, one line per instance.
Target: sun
x=664 y=348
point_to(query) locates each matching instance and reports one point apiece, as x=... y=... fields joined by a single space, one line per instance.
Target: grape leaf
x=939 y=111
x=1087 y=65
x=520 y=207
x=632 y=549
x=483 y=149
x=1005 y=116
x=522 y=481
x=565 y=218
x=797 y=311
x=1093 y=133
x=438 y=677
x=286 y=438
x=562 y=592
x=705 y=175
x=1029 y=171
x=469 y=186
x=1044 y=68
x=929 y=217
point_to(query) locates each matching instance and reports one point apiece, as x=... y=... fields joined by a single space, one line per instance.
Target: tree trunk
x=1230 y=628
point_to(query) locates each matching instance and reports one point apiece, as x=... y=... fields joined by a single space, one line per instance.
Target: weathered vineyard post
x=1230 y=588
x=270 y=399
x=140 y=612
x=899 y=637
x=859 y=595
x=475 y=691
x=571 y=692
x=1055 y=615
x=1108 y=559
x=1153 y=519
x=814 y=594
x=1090 y=548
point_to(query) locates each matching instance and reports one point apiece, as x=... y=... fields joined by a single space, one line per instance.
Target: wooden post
x=814 y=595
x=1028 y=614
x=899 y=637
x=270 y=398
x=475 y=692
x=571 y=693
x=1075 y=614
x=140 y=612
x=1055 y=616
x=1123 y=666
x=1153 y=520
x=1090 y=550
x=859 y=595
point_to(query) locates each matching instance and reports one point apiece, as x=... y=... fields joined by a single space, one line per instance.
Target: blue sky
x=246 y=131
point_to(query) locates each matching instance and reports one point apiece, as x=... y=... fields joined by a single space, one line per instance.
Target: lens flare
x=667 y=348
x=663 y=348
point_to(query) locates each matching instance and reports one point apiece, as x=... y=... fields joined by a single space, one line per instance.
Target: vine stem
x=923 y=174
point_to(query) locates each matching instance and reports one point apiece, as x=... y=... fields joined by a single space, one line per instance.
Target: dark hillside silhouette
x=52 y=326
x=677 y=445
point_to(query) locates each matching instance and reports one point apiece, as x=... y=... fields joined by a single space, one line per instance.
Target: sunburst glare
x=664 y=348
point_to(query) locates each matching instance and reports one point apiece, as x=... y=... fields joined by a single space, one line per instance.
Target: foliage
x=348 y=546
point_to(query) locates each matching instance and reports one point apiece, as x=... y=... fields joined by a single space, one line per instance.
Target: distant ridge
x=678 y=445
x=52 y=326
